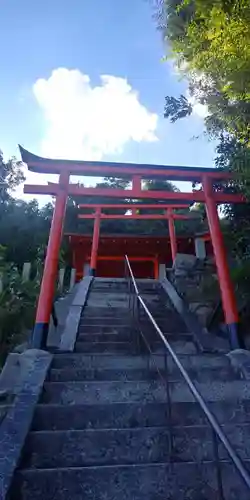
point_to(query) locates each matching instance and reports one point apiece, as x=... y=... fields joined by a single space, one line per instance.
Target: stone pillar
x=26 y=271
x=86 y=269
x=72 y=278
x=61 y=279
x=162 y=271
x=200 y=248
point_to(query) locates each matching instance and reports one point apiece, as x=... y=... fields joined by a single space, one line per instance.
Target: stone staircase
x=115 y=422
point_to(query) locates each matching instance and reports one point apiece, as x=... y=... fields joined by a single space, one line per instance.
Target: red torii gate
x=136 y=172
x=168 y=214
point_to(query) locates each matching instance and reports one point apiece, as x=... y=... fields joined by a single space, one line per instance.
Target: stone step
x=107 y=361
x=105 y=347
x=103 y=416
x=77 y=448
x=135 y=391
x=103 y=325
x=132 y=336
x=180 y=347
x=214 y=390
x=132 y=415
x=104 y=312
x=102 y=329
x=104 y=321
x=104 y=337
x=71 y=374
x=176 y=481
x=51 y=449
x=104 y=392
x=81 y=374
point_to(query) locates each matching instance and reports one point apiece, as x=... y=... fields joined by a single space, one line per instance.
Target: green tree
x=11 y=175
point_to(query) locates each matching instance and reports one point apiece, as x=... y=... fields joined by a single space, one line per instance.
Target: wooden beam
x=76 y=190
x=137 y=206
x=137 y=216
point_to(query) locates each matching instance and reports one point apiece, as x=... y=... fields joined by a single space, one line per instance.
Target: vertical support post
x=95 y=242
x=46 y=296
x=226 y=286
x=172 y=235
x=136 y=184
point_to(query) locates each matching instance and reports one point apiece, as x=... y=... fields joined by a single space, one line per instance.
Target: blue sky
x=55 y=101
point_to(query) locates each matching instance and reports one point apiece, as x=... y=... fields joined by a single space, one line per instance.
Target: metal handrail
x=211 y=418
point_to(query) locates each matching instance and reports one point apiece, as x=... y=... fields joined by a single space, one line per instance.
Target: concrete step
x=81 y=374
x=180 y=347
x=50 y=449
x=103 y=392
x=176 y=481
x=107 y=361
x=103 y=416
x=133 y=415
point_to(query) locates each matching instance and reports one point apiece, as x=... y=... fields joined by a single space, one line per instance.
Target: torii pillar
x=172 y=234
x=95 y=242
x=46 y=296
x=226 y=286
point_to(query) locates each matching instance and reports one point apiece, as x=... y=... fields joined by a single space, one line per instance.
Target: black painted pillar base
x=235 y=338
x=40 y=335
x=92 y=271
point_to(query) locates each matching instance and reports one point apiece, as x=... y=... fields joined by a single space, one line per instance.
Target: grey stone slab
x=62 y=306
x=103 y=416
x=16 y=424
x=137 y=482
x=82 y=292
x=70 y=331
x=104 y=392
x=69 y=334
x=78 y=448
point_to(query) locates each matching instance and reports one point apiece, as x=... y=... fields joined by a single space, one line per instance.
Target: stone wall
x=196 y=282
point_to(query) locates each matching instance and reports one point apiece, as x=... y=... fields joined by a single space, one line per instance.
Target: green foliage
x=17 y=309
x=11 y=175
x=209 y=41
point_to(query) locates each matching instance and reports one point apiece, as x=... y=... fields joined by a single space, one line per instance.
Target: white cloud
x=200 y=110
x=88 y=122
